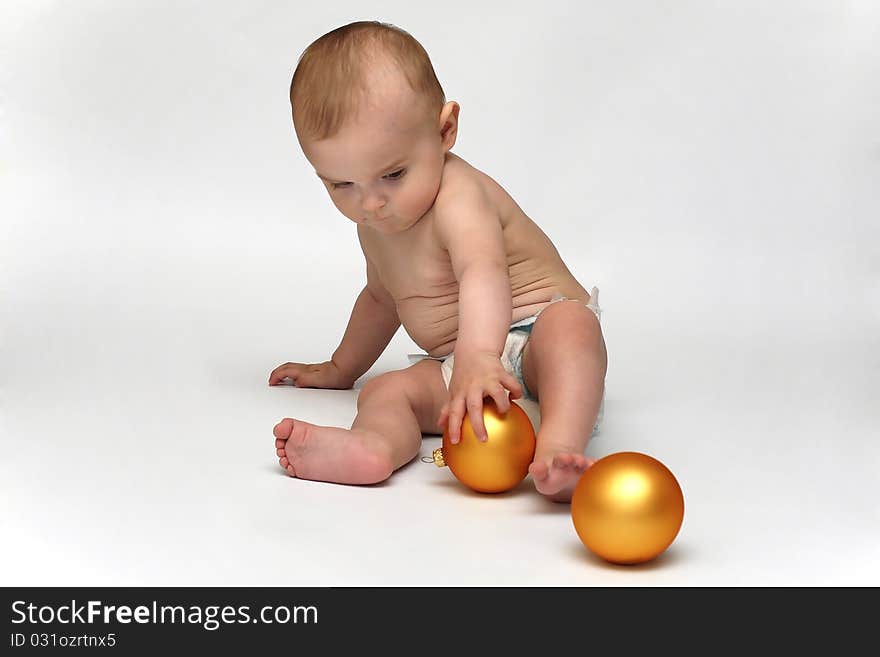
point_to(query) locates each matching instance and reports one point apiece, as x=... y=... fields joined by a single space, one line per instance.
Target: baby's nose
x=372 y=203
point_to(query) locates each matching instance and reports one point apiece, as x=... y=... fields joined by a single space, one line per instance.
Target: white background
x=713 y=167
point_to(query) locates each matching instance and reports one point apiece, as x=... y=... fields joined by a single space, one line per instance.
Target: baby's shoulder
x=462 y=186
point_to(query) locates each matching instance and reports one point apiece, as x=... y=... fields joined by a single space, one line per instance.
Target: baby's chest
x=418 y=272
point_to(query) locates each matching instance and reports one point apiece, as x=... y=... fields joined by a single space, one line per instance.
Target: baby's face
x=383 y=168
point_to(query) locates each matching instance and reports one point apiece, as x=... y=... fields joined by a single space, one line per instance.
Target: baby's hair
x=331 y=77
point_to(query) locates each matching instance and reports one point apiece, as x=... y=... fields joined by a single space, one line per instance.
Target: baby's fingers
x=455 y=416
x=475 y=413
x=444 y=415
x=510 y=382
x=283 y=371
x=502 y=402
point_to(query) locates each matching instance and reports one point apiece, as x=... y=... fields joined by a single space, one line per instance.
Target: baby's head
x=372 y=119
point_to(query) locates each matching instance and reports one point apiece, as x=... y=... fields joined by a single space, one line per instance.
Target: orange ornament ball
x=627 y=508
x=498 y=464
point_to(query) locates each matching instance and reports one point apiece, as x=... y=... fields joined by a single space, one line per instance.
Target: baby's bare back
x=418 y=274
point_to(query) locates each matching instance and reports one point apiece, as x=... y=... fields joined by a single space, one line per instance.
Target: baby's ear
x=449 y=124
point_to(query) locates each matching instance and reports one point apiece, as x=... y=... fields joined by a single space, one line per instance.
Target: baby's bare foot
x=556 y=477
x=308 y=451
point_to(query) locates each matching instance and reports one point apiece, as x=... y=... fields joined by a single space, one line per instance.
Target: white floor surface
x=165 y=246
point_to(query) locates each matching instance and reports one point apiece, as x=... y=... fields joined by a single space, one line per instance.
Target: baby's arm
x=372 y=324
x=469 y=228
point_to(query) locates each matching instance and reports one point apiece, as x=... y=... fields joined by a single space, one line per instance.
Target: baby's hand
x=474 y=377
x=320 y=375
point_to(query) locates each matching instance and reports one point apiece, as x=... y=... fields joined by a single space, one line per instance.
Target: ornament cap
x=439 y=461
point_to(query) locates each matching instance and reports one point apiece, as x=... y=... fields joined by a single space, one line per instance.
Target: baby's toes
x=563 y=461
x=282 y=429
x=539 y=470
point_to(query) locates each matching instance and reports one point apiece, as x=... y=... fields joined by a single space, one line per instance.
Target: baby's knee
x=385 y=386
x=573 y=328
x=571 y=322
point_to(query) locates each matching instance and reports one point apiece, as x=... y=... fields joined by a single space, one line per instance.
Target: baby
x=451 y=257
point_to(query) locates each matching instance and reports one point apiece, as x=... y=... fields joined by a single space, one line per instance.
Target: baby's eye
x=340 y=185
x=397 y=175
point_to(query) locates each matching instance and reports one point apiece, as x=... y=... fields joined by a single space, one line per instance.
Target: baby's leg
x=564 y=363
x=394 y=409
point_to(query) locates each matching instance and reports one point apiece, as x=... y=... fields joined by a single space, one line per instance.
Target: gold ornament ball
x=627 y=508
x=498 y=464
